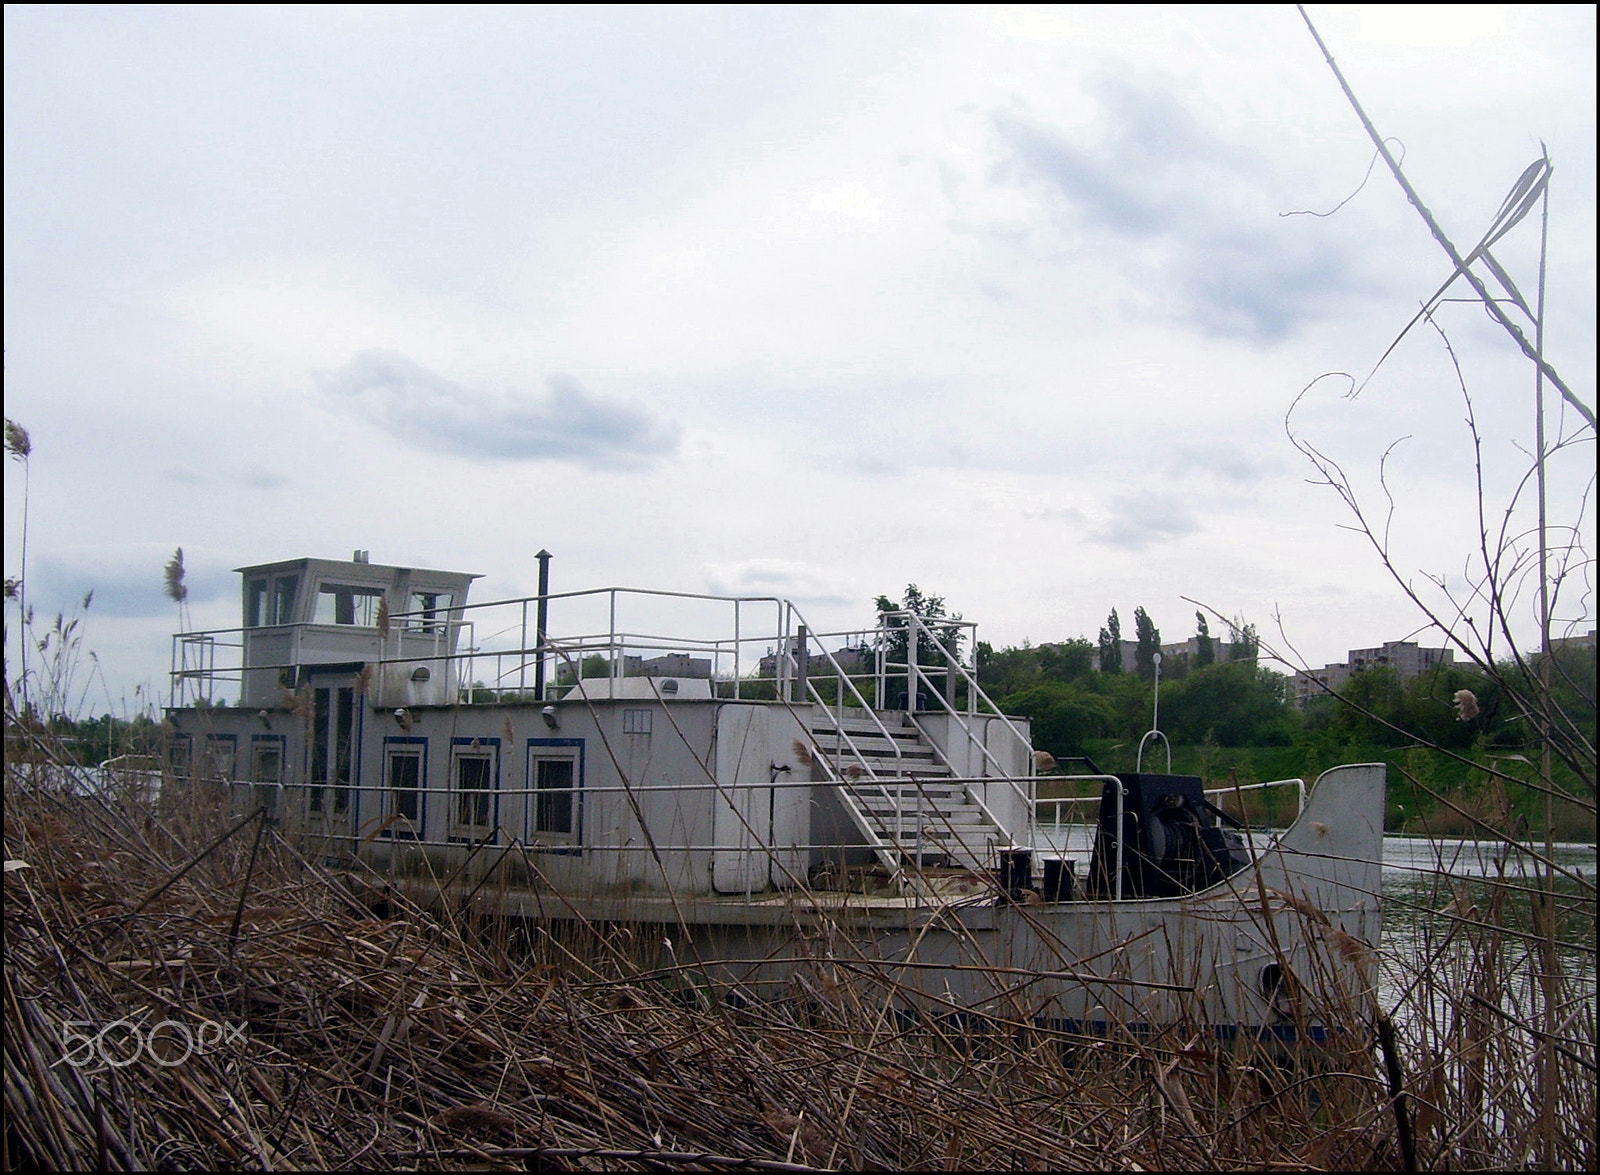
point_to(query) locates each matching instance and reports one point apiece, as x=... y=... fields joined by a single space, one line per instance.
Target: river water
x=1437 y=893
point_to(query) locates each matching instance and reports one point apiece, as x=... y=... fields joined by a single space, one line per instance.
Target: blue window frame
x=405 y=777
x=474 y=789
x=554 y=814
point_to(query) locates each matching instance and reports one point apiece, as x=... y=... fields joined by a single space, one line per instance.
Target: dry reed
x=387 y=1038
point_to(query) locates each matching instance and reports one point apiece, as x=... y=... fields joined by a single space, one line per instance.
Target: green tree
x=1149 y=638
x=1205 y=652
x=1111 y=644
x=1236 y=703
x=1011 y=670
x=1068 y=660
x=939 y=633
x=1063 y=716
x=1242 y=638
x=1370 y=705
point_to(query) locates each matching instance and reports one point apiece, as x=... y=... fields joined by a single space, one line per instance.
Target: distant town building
x=677 y=665
x=1406 y=658
x=667 y=665
x=1188 y=651
x=1563 y=644
x=852 y=661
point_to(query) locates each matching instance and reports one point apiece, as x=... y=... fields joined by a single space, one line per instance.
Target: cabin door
x=331 y=796
x=742 y=811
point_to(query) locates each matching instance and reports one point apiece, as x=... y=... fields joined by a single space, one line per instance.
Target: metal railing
x=956 y=673
x=493 y=650
x=1059 y=845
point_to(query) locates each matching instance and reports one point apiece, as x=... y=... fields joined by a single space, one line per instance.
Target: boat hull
x=1282 y=946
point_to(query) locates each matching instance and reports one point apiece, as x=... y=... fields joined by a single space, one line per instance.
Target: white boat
x=762 y=807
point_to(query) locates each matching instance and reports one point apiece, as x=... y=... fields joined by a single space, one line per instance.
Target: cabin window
x=320 y=709
x=266 y=771
x=553 y=779
x=404 y=772
x=179 y=750
x=555 y=783
x=220 y=751
x=266 y=758
x=429 y=610
x=344 y=747
x=342 y=604
x=474 y=772
x=636 y=722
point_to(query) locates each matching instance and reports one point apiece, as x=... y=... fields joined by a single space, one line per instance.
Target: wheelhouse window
x=270 y=601
x=429 y=610
x=474 y=771
x=283 y=590
x=343 y=604
x=255 y=604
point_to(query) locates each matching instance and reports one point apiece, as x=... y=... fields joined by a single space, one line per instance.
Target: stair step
x=910 y=805
x=942 y=835
x=908 y=795
x=901 y=796
x=877 y=748
x=935 y=820
x=880 y=804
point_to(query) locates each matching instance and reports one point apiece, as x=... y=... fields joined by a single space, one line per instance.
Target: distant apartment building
x=1562 y=644
x=1406 y=658
x=1188 y=651
x=853 y=661
x=666 y=665
x=677 y=665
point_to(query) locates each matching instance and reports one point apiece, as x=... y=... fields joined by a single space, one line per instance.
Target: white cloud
x=802 y=582
x=997 y=301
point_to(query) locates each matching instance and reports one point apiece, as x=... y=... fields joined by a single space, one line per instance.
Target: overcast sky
x=806 y=302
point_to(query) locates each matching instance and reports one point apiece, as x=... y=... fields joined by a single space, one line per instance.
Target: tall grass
x=380 y=1033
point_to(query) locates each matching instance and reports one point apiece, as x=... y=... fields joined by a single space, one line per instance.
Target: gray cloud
x=1236 y=269
x=1139 y=521
x=1220 y=459
x=120 y=589
x=254 y=479
x=424 y=409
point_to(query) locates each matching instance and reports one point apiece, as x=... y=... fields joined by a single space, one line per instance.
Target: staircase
x=897 y=790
